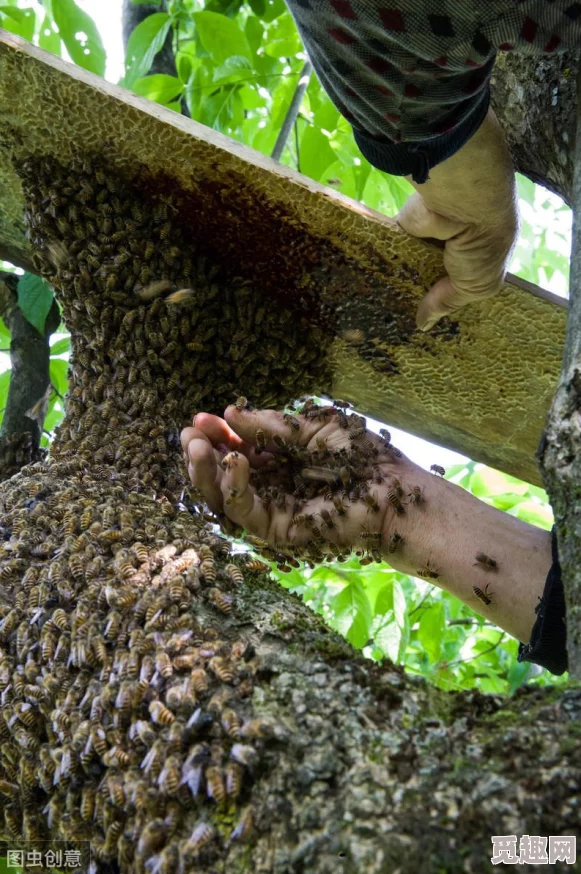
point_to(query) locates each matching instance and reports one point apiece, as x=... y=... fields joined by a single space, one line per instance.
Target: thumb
x=442 y=300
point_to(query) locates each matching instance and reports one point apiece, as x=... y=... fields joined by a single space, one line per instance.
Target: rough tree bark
x=560 y=450
x=161 y=698
x=30 y=359
x=534 y=98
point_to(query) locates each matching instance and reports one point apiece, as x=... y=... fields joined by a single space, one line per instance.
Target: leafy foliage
x=238 y=65
x=35 y=297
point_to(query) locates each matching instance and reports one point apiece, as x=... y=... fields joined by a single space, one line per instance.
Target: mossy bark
x=173 y=728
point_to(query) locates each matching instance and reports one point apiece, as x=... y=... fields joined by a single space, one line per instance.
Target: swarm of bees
x=118 y=695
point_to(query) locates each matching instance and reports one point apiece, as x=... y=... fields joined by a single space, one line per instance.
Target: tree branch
x=293 y=111
x=30 y=377
x=560 y=450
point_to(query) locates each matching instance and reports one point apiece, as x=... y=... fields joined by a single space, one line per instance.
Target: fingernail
x=427 y=325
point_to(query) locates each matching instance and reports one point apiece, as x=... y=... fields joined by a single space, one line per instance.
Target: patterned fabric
x=415 y=70
x=548 y=643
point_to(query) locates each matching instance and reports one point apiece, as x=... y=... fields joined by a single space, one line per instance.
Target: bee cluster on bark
x=127 y=716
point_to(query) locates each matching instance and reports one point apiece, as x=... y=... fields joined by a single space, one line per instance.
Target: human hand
x=469 y=201
x=320 y=487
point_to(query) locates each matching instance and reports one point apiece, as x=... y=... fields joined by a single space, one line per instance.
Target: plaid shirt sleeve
x=412 y=76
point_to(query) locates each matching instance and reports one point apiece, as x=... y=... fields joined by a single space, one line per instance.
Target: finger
x=223 y=436
x=442 y=300
x=273 y=423
x=419 y=221
x=204 y=471
x=241 y=502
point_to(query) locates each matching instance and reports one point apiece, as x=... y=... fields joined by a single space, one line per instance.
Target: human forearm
x=450 y=527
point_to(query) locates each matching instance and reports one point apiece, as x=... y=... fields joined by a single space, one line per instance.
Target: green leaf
x=58 y=375
x=399 y=603
x=19 y=21
x=326 y=115
x=358 y=633
x=533 y=513
x=254 y=32
x=526 y=188
x=316 y=153
x=388 y=637
x=251 y=99
x=384 y=600
x=72 y=22
x=145 y=42
x=4 y=335
x=63 y=345
x=35 y=297
x=272 y=9
x=185 y=67
x=221 y=36
x=234 y=69
x=258 y=7
x=48 y=39
x=159 y=87
x=432 y=630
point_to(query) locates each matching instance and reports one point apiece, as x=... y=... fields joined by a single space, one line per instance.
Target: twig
x=292 y=111
x=480 y=654
x=297 y=148
x=426 y=596
x=470 y=622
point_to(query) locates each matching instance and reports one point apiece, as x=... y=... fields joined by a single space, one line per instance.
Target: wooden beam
x=481 y=384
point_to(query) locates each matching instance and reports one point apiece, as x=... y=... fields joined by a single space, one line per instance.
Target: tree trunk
x=161 y=699
x=28 y=393
x=535 y=100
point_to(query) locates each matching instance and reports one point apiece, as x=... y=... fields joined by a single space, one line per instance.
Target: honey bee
x=279 y=441
x=230 y=722
x=180 y=296
x=160 y=713
x=169 y=778
x=291 y=421
x=485 y=562
x=233 y=775
x=257 y=566
x=216 y=788
x=428 y=573
x=394 y=500
x=339 y=506
x=208 y=570
x=485 y=596
x=416 y=495
x=395 y=541
x=234 y=573
x=222 y=668
x=221 y=600
x=87 y=809
x=245 y=826
x=438 y=469
x=371 y=501
x=199 y=838
x=260 y=441
x=327 y=519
